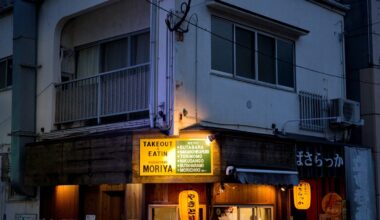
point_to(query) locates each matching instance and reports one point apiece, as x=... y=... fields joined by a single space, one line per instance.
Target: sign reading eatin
x=175 y=156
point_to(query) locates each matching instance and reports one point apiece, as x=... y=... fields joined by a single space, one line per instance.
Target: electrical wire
x=6 y=119
x=259 y=52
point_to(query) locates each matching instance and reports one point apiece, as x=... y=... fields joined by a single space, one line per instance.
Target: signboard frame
x=176 y=157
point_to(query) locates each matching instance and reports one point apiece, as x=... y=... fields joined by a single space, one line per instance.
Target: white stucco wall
x=225 y=101
x=5 y=116
x=73 y=25
x=6 y=44
x=6 y=35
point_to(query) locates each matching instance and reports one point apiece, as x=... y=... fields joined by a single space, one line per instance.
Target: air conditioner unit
x=346 y=112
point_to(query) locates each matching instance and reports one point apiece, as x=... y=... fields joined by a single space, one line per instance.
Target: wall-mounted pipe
x=23 y=89
x=153 y=62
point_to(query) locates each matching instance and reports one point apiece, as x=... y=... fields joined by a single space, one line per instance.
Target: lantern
x=188 y=202
x=302 y=195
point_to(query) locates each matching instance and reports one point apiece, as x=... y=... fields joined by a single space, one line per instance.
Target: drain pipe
x=153 y=63
x=23 y=89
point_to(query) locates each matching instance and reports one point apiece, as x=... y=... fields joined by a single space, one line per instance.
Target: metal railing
x=313 y=111
x=112 y=93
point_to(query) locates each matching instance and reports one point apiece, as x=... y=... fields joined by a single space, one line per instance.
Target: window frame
x=239 y=206
x=176 y=206
x=6 y=60
x=256 y=80
x=101 y=43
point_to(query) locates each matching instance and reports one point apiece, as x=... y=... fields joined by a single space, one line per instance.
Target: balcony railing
x=112 y=93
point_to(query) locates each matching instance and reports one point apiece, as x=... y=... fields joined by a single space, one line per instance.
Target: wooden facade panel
x=134 y=201
x=244 y=194
x=87 y=160
x=253 y=152
x=168 y=193
x=35 y=161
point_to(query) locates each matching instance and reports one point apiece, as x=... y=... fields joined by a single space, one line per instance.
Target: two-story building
x=118 y=106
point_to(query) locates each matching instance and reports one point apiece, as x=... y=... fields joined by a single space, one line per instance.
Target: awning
x=264 y=176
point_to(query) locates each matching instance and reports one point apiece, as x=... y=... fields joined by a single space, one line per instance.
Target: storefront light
x=171 y=158
x=209 y=139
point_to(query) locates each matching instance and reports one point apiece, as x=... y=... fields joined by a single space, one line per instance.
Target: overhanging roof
x=258 y=20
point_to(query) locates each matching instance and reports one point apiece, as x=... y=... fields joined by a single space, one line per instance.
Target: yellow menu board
x=175 y=156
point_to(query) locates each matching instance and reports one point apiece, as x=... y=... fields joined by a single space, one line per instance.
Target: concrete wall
x=6 y=35
x=370 y=108
x=226 y=101
x=374 y=28
x=6 y=42
x=71 y=25
x=9 y=206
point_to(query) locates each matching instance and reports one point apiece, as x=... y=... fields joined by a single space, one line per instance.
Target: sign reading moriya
x=175 y=156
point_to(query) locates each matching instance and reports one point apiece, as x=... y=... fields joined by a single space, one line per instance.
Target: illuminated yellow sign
x=302 y=195
x=175 y=156
x=188 y=202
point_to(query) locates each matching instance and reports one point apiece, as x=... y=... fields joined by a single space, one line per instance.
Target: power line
x=259 y=52
x=362 y=26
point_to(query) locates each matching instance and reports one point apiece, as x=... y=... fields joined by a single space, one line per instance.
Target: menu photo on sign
x=175 y=156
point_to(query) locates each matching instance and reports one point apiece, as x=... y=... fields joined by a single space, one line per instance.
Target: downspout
x=153 y=62
x=23 y=89
x=169 y=83
x=196 y=68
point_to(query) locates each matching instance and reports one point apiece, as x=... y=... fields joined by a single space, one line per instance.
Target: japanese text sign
x=302 y=195
x=188 y=202
x=316 y=160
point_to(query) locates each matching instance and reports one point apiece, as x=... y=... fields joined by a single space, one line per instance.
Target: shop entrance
x=171 y=212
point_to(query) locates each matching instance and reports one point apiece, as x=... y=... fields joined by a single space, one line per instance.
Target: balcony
x=121 y=92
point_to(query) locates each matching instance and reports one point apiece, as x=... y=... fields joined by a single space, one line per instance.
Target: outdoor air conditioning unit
x=346 y=113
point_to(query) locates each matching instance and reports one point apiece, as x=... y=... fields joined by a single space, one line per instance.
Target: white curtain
x=88 y=62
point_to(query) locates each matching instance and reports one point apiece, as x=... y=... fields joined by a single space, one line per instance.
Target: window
x=250 y=54
x=5 y=72
x=242 y=212
x=171 y=212
x=221 y=40
x=112 y=54
x=313 y=108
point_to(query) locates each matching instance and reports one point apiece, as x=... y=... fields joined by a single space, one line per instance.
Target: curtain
x=88 y=62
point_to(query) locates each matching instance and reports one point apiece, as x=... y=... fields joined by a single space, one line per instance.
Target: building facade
x=362 y=39
x=116 y=108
